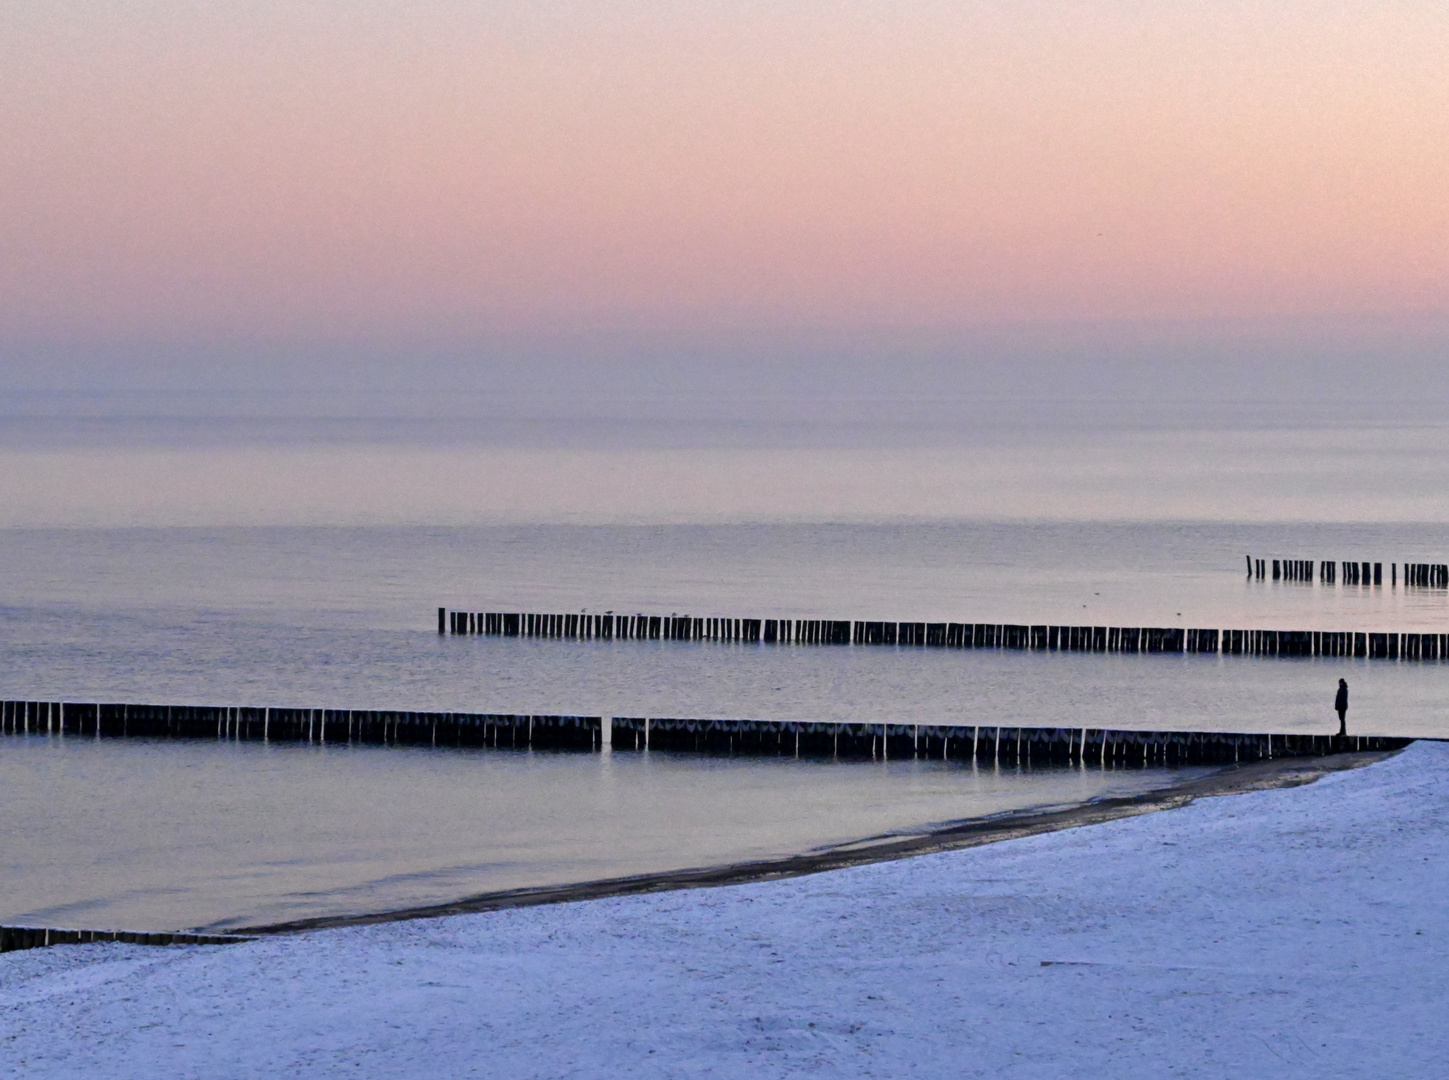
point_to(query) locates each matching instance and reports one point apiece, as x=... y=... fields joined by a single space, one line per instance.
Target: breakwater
x=1012 y=746
x=949 y=635
x=258 y=723
x=15 y=938
x=1329 y=572
x=795 y=738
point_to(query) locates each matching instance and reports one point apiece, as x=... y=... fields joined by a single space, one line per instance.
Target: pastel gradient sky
x=433 y=173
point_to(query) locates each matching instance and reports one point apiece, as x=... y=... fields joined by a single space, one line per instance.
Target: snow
x=1286 y=933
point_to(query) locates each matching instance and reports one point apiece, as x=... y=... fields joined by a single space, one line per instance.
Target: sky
x=492 y=193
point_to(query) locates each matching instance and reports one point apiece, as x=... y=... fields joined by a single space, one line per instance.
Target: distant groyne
x=1361 y=574
x=949 y=635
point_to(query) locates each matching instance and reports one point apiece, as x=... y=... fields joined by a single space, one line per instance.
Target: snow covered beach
x=1293 y=932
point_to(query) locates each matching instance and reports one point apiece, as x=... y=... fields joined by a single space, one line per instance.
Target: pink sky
x=452 y=170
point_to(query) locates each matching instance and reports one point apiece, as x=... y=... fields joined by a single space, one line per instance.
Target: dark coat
x=1340 y=703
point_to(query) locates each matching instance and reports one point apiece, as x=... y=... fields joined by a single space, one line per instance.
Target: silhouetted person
x=1341 y=704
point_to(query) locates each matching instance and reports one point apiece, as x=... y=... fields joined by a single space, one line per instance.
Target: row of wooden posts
x=1101 y=639
x=798 y=738
x=14 y=938
x=1416 y=575
x=1015 y=746
x=259 y=723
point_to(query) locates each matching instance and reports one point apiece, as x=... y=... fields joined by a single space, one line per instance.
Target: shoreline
x=1234 y=780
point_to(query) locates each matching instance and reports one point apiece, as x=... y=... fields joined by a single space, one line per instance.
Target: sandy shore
x=1285 y=931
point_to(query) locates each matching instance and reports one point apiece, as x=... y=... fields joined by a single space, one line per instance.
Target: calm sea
x=301 y=564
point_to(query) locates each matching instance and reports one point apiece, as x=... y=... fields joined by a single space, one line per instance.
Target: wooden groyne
x=999 y=745
x=950 y=635
x=256 y=723
x=15 y=938
x=1009 y=745
x=1329 y=572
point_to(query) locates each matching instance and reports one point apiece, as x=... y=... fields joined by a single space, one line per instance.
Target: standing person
x=1341 y=704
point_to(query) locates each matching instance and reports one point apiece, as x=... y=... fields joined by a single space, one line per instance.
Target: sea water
x=345 y=617
x=162 y=835
x=291 y=565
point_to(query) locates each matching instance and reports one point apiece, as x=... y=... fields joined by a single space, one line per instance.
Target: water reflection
x=166 y=835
